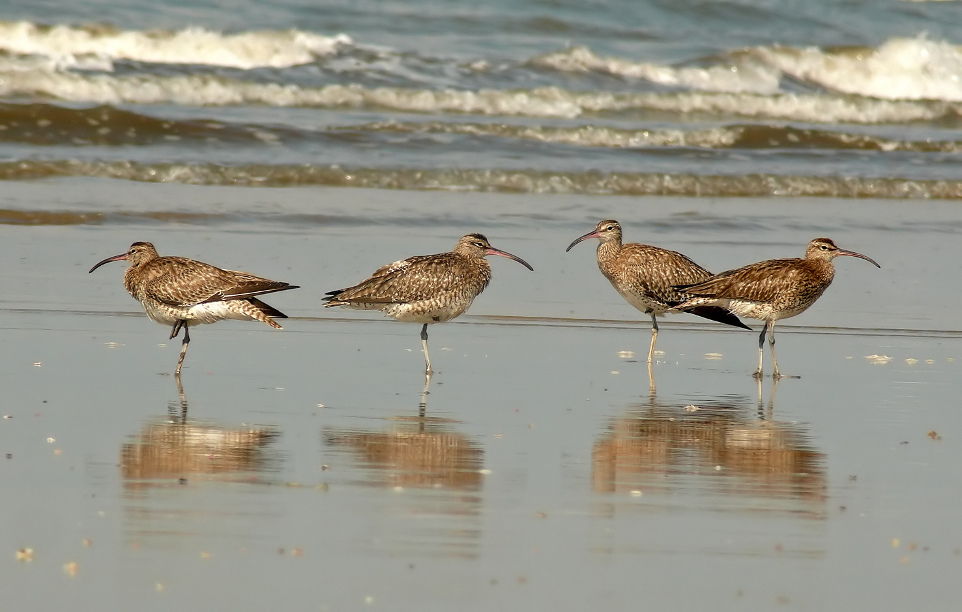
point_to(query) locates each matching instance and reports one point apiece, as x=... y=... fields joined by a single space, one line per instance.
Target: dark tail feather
x=270 y=310
x=330 y=296
x=719 y=314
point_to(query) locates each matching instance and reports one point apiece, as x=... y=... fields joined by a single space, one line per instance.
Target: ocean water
x=822 y=98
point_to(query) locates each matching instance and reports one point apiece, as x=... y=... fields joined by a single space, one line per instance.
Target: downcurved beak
x=859 y=255
x=494 y=251
x=591 y=234
x=121 y=257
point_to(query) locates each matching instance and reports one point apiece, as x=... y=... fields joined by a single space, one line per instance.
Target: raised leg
x=761 y=345
x=654 y=336
x=183 y=346
x=427 y=357
x=176 y=329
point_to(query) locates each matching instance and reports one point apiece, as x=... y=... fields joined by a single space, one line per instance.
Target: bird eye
x=609 y=228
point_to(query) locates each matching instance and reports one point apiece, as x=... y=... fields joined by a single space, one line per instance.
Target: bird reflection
x=417 y=451
x=714 y=447
x=651 y=381
x=431 y=470
x=174 y=447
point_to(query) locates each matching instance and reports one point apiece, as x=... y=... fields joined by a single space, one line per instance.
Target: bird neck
x=824 y=268
x=608 y=250
x=131 y=281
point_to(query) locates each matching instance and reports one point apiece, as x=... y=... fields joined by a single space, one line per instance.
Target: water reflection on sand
x=173 y=461
x=731 y=449
x=431 y=471
x=175 y=447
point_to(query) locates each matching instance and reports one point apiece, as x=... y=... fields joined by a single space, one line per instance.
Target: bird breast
x=645 y=275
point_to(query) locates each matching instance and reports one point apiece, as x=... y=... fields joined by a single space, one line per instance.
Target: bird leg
x=183 y=347
x=771 y=342
x=176 y=330
x=427 y=358
x=761 y=345
x=654 y=336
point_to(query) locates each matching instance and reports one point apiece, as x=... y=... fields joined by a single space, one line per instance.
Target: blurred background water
x=697 y=98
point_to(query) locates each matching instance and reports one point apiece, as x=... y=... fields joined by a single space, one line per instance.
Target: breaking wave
x=595 y=183
x=211 y=90
x=899 y=69
x=98 y=46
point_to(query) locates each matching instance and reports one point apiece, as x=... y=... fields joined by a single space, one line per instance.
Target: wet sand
x=546 y=473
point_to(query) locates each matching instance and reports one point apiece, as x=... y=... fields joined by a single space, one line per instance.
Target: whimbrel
x=646 y=275
x=180 y=292
x=771 y=290
x=426 y=289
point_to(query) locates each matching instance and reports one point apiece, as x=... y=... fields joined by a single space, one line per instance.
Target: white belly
x=751 y=310
x=200 y=314
x=638 y=302
x=427 y=312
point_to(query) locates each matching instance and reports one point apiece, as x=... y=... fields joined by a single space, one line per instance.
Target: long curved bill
x=493 y=251
x=859 y=255
x=591 y=234
x=121 y=257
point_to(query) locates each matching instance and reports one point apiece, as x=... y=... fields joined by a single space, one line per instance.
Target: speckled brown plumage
x=646 y=276
x=426 y=288
x=180 y=292
x=771 y=290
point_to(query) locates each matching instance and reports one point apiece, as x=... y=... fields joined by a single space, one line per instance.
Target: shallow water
x=545 y=471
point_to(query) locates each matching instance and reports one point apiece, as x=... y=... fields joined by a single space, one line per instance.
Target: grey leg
x=427 y=357
x=654 y=336
x=761 y=345
x=771 y=342
x=183 y=346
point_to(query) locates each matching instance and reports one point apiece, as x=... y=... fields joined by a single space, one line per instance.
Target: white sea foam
x=209 y=90
x=97 y=47
x=730 y=77
x=900 y=69
x=585 y=135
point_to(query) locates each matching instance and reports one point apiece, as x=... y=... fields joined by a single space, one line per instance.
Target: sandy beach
x=543 y=451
